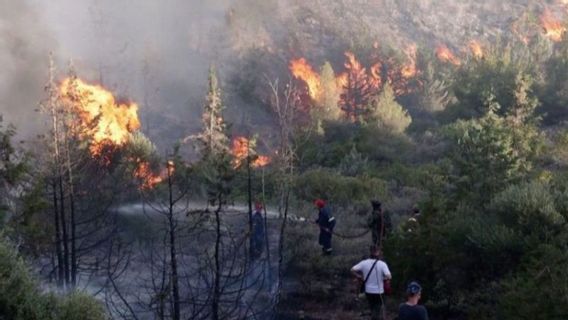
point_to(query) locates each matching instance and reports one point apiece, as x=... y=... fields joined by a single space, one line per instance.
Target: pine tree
x=357 y=92
x=388 y=113
x=329 y=108
x=524 y=104
x=213 y=139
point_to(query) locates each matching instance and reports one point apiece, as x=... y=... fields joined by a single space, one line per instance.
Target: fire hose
x=350 y=236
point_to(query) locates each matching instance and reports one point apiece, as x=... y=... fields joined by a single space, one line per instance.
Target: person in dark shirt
x=326 y=224
x=379 y=222
x=258 y=230
x=410 y=310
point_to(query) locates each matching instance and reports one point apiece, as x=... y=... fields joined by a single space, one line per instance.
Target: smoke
x=24 y=48
x=157 y=52
x=153 y=52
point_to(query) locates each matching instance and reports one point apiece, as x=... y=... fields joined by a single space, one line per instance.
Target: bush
x=21 y=299
x=339 y=190
x=78 y=306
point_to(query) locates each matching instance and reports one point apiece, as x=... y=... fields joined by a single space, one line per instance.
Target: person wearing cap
x=373 y=272
x=379 y=222
x=410 y=310
x=326 y=224
x=258 y=230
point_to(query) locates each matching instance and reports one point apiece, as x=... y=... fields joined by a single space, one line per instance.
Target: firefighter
x=412 y=222
x=379 y=222
x=326 y=224
x=258 y=230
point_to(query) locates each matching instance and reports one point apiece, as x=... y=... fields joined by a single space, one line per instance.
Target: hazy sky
x=153 y=51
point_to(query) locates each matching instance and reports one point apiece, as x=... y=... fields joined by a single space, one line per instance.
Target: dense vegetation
x=478 y=143
x=487 y=172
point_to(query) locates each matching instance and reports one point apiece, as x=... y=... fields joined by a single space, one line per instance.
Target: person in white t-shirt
x=374 y=271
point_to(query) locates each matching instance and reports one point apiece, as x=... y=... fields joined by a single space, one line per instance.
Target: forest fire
x=476 y=49
x=358 y=83
x=410 y=70
x=444 y=54
x=105 y=123
x=146 y=176
x=301 y=69
x=148 y=179
x=553 y=28
x=241 y=149
x=102 y=118
x=355 y=69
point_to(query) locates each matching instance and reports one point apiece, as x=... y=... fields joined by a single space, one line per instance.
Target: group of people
x=373 y=273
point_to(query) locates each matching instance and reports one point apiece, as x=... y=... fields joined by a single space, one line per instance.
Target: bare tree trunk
x=266 y=239
x=72 y=211
x=284 y=109
x=249 y=191
x=64 y=230
x=173 y=254
x=73 y=235
x=60 y=270
x=58 y=206
x=217 y=282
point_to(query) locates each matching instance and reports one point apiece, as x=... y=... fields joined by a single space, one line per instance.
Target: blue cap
x=413 y=288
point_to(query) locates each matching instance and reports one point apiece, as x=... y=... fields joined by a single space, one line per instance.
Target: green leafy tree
x=388 y=113
x=494 y=76
x=22 y=299
x=12 y=167
x=435 y=94
x=329 y=108
x=488 y=156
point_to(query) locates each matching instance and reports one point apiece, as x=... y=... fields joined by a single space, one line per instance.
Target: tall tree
x=329 y=108
x=12 y=167
x=213 y=139
x=388 y=113
x=357 y=91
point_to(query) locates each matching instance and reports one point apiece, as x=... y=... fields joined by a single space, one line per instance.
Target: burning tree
x=85 y=170
x=359 y=88
x=553 y=28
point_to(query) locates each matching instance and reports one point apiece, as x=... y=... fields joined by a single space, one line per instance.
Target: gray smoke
x=25 y=43
x=157 y=52
x=153 y=52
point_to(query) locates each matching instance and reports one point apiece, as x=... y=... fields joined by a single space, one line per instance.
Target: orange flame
x=242 y=149
x=149 y=180
x=476 y=49
x=301 y=69
x=444 y=54
x=341 y=80
x=359 y=87
x=409 y=70
x=553 y=28
x=261 y=161
x=102 y=118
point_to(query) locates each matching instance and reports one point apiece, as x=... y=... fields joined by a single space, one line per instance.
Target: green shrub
x=78 y=306
x=339 y=190
x=21 y=299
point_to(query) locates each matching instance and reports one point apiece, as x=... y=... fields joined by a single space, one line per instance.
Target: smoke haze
x=157 y=52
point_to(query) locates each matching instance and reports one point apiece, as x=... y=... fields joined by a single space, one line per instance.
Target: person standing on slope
x=373 y=272
x=379 y=222
x=326 y=224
